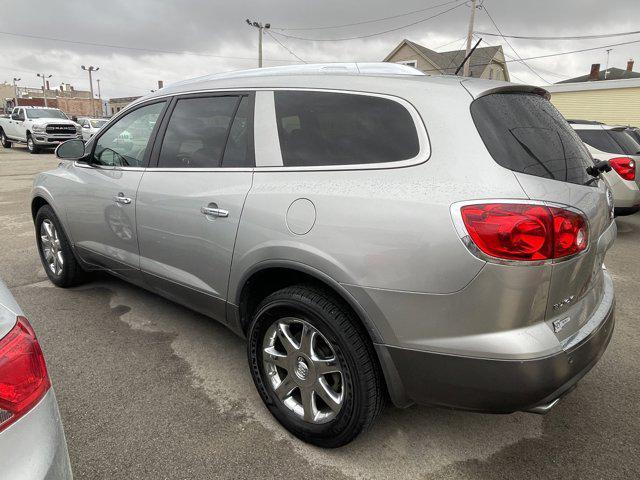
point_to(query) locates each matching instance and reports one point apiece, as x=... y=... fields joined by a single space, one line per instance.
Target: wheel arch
x=269 y=276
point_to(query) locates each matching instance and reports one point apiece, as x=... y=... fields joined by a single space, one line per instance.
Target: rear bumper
x=34 y=447
x=493 y=385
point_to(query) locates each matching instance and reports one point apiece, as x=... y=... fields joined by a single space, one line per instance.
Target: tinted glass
x=124 y=144
x=237 y=153
x=635 y=134
x=525 y=133
x=626 y=142
x=197 y=132
x=321 y=128
x=600 y=140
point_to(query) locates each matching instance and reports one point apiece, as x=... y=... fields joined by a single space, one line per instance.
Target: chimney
x=160 y=84
x=595 y=72
x=47 y=84
x=630 y=65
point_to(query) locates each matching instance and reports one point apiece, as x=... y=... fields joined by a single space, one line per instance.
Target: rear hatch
x=526 y=134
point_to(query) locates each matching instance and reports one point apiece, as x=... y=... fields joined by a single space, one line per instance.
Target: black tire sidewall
x=4 y=140
x=67 y=277
x=338 y=431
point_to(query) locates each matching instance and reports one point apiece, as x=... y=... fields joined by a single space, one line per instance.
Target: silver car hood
x=9 y=310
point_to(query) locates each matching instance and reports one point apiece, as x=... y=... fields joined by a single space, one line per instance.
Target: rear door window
x=628 y=145
x=326 y=128
x=525 y=133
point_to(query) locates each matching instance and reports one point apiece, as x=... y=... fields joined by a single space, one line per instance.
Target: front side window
x=325 y=128
x=197 y=133
x=124 y=144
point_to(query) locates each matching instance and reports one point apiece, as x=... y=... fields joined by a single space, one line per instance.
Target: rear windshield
x=525 y=133
x=610 y=141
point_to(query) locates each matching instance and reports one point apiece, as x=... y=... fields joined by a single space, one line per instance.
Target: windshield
x=45 y=113
x=629 y=145
x=97 y=123
x=525 y=133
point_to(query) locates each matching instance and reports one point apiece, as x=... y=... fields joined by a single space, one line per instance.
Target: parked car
x=38 y=127
x=634 y=132
x=32 y=442
x=371 y=231
x=618 y=147
x=90 y=126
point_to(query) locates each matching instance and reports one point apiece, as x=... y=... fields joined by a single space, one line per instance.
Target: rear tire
x=4 y=140
x=31 y=146
x=55 y=251
x=327 y=389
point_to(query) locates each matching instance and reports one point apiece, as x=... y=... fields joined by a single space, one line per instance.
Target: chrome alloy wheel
x=303 y=370
x=30 y=145
x=51 y=248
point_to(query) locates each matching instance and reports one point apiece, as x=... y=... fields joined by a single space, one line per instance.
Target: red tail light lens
x=514 y=231
x=23 y=373
x=625 y=166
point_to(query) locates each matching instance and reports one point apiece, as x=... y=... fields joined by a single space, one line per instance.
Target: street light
x=44 y=86
x=15 y=90
x=90 y=69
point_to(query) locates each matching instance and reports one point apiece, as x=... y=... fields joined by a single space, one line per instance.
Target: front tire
x=31 y=146
x=56 y=254
x=314 y=366
x=4 y=140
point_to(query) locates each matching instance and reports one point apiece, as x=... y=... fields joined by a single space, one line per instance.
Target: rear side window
x=324 y=128
x=526 y=134
x=600 y=140
x=627 y=143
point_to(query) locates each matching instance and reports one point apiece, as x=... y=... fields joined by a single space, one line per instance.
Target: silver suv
x=373 y=232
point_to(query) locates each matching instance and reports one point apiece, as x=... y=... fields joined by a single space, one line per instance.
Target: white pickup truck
x=38 y=127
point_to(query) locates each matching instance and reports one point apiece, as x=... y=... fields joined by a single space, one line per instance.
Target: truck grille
x=66 y=129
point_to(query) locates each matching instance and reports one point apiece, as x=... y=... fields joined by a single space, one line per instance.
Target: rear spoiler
x=480 y=88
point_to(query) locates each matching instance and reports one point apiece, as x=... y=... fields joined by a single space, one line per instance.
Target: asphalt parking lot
x=150 y=390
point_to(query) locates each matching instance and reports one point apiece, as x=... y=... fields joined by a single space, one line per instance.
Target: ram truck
x=38 y=128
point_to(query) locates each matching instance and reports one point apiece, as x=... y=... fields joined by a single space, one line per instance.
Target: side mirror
x=14 y=116
x=70 y=150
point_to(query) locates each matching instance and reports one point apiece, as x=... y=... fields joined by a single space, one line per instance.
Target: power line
x=578 y=51
x=371 y=34
x=154 y=50
x=327 y=27
x=572 y=37
x=511 y=46
x=284 y=46
x=454 y=41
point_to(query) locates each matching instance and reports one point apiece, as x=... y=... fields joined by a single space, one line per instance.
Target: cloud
x=211 y=30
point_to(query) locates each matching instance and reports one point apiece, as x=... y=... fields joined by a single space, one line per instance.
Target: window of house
x=410 y=63
x=325 y=128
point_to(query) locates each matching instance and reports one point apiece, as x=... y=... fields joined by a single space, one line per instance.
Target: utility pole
x=91 y=69
x=100 y=98
x=465 y=71
x=44 y=86
x=606 y=69
x=260 y=27
x=15 y=90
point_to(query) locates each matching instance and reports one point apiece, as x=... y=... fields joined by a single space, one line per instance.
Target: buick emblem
x=302 y=369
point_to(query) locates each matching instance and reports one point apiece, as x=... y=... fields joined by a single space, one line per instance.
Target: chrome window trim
x=424 y=152
x=465 y=238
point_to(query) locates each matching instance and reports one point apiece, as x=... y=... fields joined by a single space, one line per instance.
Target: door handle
x=120 y=198
x=213 y=211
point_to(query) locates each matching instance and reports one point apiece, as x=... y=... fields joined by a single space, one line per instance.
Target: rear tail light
x=625 y=166
x=513 y=231
x=23 y=373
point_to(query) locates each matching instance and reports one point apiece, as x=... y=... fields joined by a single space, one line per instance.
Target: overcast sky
x=214 y=36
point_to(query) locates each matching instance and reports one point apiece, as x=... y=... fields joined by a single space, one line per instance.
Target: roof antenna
x=467 y=56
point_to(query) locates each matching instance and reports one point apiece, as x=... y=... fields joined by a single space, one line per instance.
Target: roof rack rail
x=584 y=122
